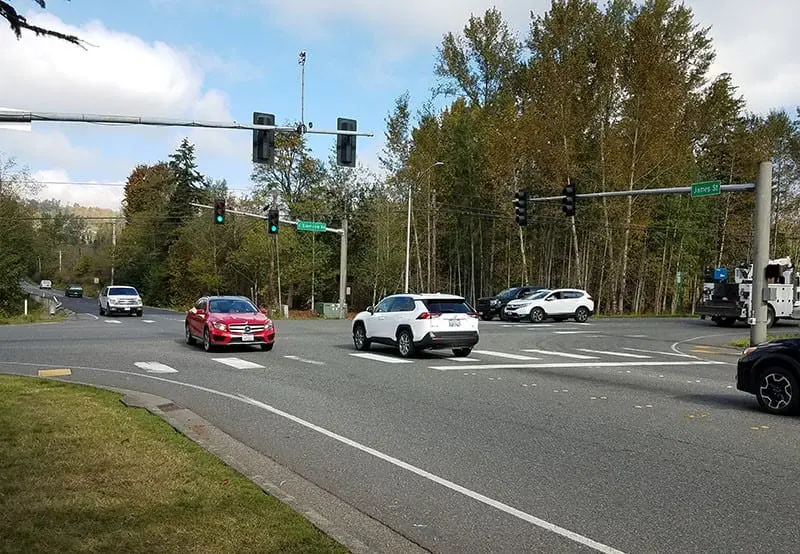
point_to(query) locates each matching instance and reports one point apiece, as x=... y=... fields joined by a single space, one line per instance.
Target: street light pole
x=408 y=223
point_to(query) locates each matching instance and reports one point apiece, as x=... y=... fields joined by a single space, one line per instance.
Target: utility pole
x=302 y=62
x=277 y=257
x=758 y=316
x=343 y=271
x=113 y=247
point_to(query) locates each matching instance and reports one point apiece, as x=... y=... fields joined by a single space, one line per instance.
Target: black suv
x=492 y=306
x=74 y=290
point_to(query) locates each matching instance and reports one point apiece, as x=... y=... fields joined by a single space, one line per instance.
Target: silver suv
x=121 y=300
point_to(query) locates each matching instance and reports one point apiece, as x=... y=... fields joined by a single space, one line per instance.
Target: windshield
x=231 y=306
x=122 y=291
x=536 y=295
x=508 y=293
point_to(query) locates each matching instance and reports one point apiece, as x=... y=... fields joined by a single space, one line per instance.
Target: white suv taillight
x=427 y=315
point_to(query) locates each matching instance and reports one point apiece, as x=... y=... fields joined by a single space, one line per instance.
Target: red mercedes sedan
x=228 y=320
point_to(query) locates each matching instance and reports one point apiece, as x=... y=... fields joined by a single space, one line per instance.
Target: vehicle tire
x=360 y=340
x=405 y=343
x=207 y=346
x=139 y=313
x=778 y=392
x=725 y=321
x=462 y=352
x=188 y=335
x=537 y=315
x=266 y=347
x=102 y=311
x=502 y=315
x=582 y=314
x=487 y=317
x=770 y=317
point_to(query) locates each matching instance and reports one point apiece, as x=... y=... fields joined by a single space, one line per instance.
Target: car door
x=379 y=322
x=401 y=312
x=197 y=321
x=554 y=303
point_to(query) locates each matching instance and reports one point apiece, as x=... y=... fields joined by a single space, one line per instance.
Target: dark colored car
x=491 y=306
x=75 y=291
x=228 y=320
x=771 y=371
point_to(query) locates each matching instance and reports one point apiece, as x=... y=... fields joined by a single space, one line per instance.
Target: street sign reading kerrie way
x=311 y=226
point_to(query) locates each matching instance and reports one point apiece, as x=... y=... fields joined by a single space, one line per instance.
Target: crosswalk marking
x=562 y=354
x=148 y=321
x=155 y=367
x=620 y=354
x=570 y=332
x=504 y=355
x=380 y=358
x=576 y=365
x=304 y=360
x=238 y=363
x=454 y=359
x=113 y=321
x=661 y=353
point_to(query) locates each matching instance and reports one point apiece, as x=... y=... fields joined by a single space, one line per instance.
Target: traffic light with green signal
x=219 y=212
x=272 y=221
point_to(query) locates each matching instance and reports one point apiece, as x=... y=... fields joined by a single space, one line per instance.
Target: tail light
x=474 y=314
x=427 y=315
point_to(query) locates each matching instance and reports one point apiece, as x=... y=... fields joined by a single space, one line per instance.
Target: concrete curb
x=357 y=531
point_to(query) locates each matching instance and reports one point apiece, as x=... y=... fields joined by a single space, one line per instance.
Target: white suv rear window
x=447 y=306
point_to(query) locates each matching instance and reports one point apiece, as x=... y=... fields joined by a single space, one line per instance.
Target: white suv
x=560 y=304
x=125 y=300
x=414 y=322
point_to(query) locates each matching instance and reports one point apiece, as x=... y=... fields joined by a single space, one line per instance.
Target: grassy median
x=745 y=342
x=82 y=472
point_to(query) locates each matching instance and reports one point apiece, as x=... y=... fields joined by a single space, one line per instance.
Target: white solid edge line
x=600 y=547
x=575 y=365
x=662 y=353
x=546 y=525
x=94 y=316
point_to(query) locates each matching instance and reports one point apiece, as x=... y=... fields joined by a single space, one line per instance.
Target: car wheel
x=267 y=346
x=102 y=311
x=189 y=337
x=770 y=317
x=207 y=346
x=462 y=352
x=360 y=340
x=778 y=392
x=537 y=315
x=487 y=317
x=725 y=321
x=405 y=343
x=581 y=314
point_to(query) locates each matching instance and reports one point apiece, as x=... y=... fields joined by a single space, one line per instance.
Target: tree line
x=610 y=98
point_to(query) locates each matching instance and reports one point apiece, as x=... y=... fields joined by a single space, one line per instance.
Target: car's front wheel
x=207 y=346
x=778 y=391
x=360 y=340
x=537 y=315
x=189 y=337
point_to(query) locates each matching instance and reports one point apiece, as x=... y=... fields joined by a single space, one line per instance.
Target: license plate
x=455 y=323
x=247 y=338
x=126 y=308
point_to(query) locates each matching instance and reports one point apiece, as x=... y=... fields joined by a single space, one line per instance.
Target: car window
x=572 y=294
x=536 y=295
x=122 y=291
x=230 y=306
x=403 y=304
x=508 y=293
x=554 y=296
x=385 y=305
x=447 y=306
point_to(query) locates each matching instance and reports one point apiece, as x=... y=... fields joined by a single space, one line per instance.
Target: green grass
x=36 y=314
x=745 y=342
x=83 y=473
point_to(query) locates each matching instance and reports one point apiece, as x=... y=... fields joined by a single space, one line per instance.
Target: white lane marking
x=546 y=525
x=538 y=325
x=380 y=358
x=504 y=355
x=238 y=363
x=113 y=321
x=577 y=323
x=674 y=346
x=570 y=332
x=577 y=365
x=454 y=359
x=661 y=353
x=305 y=361
x=92 y=315
x=148 y=321
x=562 y=354
x=155 y=367
x=636 y=336
x=620 y=354
x=449 y=484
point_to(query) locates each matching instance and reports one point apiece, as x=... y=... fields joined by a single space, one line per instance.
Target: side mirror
x=371 y=309
x=264 y=311
x=200 y=312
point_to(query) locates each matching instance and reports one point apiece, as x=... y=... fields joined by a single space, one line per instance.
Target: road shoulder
x=357 y=531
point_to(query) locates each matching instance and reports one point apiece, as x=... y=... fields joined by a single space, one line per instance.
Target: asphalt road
x=617 y=435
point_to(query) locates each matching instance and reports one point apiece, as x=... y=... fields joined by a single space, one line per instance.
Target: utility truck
x=727 y=302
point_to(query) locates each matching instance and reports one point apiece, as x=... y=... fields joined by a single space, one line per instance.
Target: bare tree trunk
x=433 y=247
x=627 y=233
x=420 y=274
x=508 y=262
x=428 y=227
x=601 y=287
x=524 y=259
x=725 y=218
x=472 y=269
x=678 y=285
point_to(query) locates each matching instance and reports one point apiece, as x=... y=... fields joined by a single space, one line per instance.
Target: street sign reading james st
x=707 y=188
x=311 y=226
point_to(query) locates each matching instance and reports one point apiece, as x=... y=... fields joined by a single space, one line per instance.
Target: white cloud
x=120 y=74
x=57 y=184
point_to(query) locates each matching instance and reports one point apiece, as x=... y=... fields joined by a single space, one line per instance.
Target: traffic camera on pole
x=568 y=201
x=521 y=208
x=219 y=211
x=272 y=221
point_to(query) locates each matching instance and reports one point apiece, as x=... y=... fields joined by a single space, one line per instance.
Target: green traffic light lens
x=274 y=228
x=219 y=218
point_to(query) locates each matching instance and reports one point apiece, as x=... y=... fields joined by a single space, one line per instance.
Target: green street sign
x=707 y=188
x=311 y=226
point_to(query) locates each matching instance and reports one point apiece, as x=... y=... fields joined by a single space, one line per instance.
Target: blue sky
x=208 y=59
